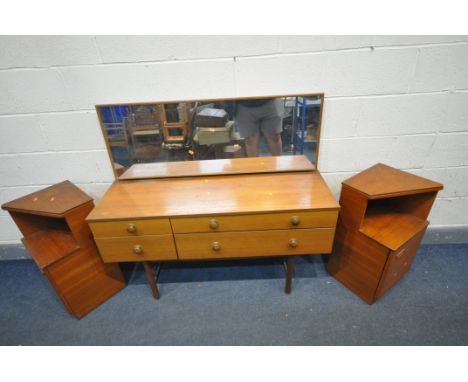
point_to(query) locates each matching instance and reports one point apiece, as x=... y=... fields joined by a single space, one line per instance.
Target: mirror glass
x=211 y=129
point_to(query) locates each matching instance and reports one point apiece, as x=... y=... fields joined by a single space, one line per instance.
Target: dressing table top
x=215 y=194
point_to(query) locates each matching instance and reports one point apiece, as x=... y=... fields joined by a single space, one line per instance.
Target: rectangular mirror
x=178 y=131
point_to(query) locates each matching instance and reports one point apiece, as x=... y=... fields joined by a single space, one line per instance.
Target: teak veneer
x=285 y=211
x=218 y=167
x=382 y=221
x=60 y=242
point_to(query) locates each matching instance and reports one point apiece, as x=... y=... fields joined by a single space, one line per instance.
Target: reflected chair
x=145 y=134
x=175 y=132
x=116 y=136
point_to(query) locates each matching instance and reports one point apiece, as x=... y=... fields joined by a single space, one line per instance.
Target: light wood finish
x=217 y=216
x=293 y=219
x=138 y=248
x=254 y=243
x=214 y=195
x=380 y=226
x=61 y=244
x=218 y=167
x=133 y=227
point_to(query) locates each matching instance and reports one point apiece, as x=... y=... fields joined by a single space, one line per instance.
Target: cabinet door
x=398 y=263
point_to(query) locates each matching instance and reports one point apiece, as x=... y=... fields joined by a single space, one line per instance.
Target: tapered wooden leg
x=289 y=273
x=152 y=279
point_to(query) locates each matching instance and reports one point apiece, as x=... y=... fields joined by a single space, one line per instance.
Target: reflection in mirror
x=211 y=129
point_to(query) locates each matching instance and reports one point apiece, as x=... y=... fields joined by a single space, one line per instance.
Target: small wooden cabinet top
x=382 y=181
x=53 y=201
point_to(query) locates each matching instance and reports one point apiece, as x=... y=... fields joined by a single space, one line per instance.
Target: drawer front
x=398 y=263
x=288 y=220
x=138 y=248
x=254 y=243
x=131 y=228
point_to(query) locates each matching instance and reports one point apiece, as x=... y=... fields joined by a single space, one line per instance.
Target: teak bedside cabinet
x=60 y=242
x=216 y=209
x=382 y=221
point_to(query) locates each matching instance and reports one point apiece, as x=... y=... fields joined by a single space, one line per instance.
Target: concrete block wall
x=400 y=100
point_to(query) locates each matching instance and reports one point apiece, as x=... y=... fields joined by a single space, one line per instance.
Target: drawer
x=137 y=248
x=254 y=243
x=285 y=220
x=398 y=263
x=130 y=227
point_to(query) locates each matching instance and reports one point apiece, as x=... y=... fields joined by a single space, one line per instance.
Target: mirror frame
x=109 y=152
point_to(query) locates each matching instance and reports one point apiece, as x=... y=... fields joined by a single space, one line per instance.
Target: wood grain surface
x=51 y=201
x=254 y=243
x=153 y=247
x=214 y=195
x=382 y=181
x=140 y=227
x=392 y=228
x=218 y=167
x=380 y=226
x=293 y=219
x=398 y=263
x=357 y=262
x=60 y=242
x=50 y=245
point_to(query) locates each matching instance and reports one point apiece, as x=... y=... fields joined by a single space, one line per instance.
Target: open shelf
x=50 y=245
x=391 y=227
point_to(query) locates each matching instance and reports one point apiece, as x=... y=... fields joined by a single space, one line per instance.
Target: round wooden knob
x=293 y=243
x=131 y=228
x=138 y=249
x=295 y=220
x=216 y=246
x=214 y=224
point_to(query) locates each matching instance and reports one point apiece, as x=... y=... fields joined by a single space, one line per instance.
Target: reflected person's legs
x=251 y=144
x=272 y=125
x=247 y=123
x=274 y=142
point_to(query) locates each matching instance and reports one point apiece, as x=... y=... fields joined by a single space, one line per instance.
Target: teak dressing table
x=217 y=209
